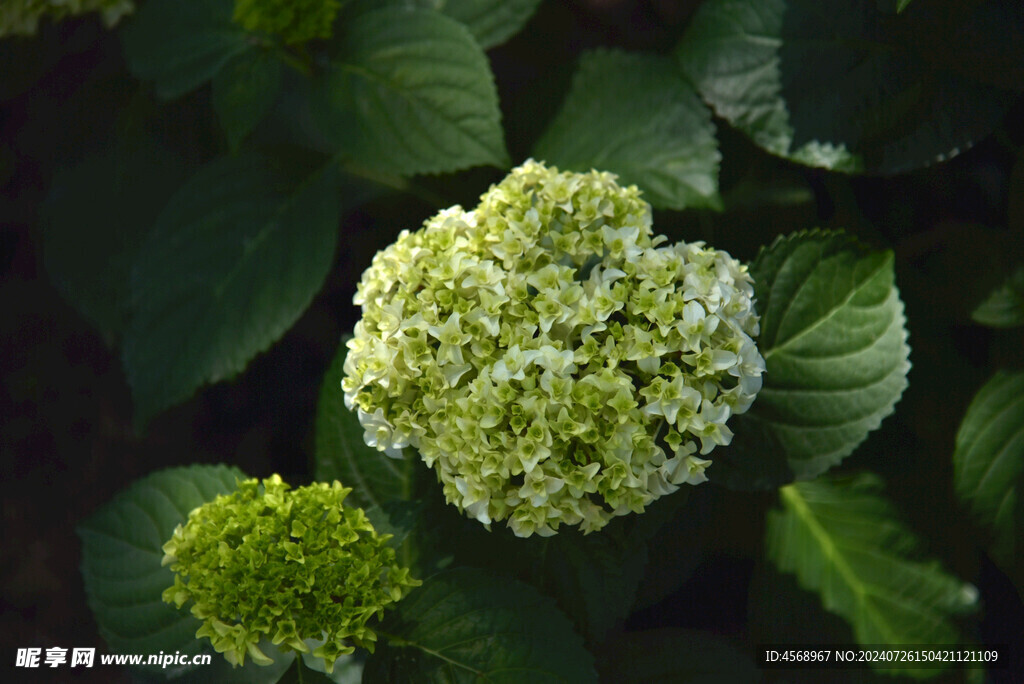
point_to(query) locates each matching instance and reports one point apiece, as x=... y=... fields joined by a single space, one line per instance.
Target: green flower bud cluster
x=547 y=357
x=22 y=16
x=295 y=21
x=288 y=566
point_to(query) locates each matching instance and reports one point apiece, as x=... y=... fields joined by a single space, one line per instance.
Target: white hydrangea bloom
x=549 y=358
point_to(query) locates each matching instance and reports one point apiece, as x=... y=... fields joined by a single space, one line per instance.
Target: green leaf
x=181 y=44
x=835 y=348
x=122 y=547
x=234 y=259
x=841 y=539
x=678 y=547
x=341 y=453
x=595 y=577
x=840 y=85
x=1004 y=308
x=892 y=6
x=410 y=91
x=88 y=249
x=243 y=92
x=676 y=656
x=989 y=458
x=668 y=149
x=466 y=625
x=491 y=22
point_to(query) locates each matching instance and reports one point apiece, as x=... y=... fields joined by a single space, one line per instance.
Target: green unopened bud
x=268 y=563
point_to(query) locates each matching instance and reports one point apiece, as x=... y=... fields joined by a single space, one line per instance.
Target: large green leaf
x=233 y=261
x=840 y=85
x=181 y=44
x=89 y=249
x=409 y=91
x=1004 y=307
x=835 y=347
x=122 y=547
x=243 y=92
x=341 y=453
x=492 y=22
x=675 y=656
x=467 y=625
x=595 y=577
x=122 y=550
x=989 y=458
x=633 y=114
x=842 y=539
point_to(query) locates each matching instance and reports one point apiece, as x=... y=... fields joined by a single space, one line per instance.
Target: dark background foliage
x=68 y=442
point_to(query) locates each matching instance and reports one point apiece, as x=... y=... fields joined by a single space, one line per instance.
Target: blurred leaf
x=677 y=656
x=491 y=22
x=1004 y=308
x=88 y=249
x=948 y=286
x=341 y=453
x=467 y=625
x=835 y=347
x=410 y=91
x=988 y=461
x=669 y=151
x=234 y=260
x=122 y=547
x=782 y=191
x=181 y=44
x=1015 y=195
x=892 y=6
x=243 y=92
x=781 y=612
x=979 y=41
x=841 y=538
x=839 y=85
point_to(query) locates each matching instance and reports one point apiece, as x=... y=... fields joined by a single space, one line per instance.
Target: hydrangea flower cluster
x=292 y=567
x=547 y=357
x=296 y=21
x=23 y=16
